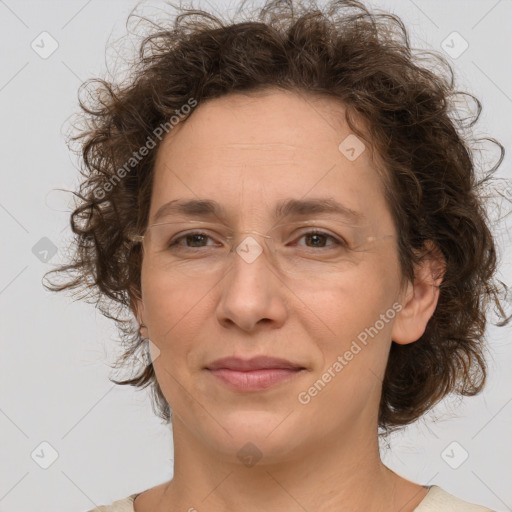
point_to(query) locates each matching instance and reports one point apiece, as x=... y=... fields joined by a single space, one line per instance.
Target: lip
x=254 y=374
x=254 y=380
x=255 y=363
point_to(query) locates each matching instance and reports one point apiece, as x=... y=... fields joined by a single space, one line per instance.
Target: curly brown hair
x=405 y=97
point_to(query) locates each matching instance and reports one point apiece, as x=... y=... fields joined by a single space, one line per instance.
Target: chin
x=257 y=436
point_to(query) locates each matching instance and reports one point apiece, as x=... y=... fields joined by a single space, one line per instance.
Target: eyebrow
x=208 y=208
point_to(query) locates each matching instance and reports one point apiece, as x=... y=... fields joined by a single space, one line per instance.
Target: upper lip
x=255 y=363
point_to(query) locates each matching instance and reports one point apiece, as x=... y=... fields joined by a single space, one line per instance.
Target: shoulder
x=122 y=505
x=438 y=500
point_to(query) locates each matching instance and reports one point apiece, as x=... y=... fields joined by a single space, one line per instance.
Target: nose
x=252 y=292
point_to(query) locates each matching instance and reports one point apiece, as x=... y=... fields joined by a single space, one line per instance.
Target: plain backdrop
x=101 y=442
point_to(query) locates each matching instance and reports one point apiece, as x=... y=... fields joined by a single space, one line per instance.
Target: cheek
x=354 y=349
x=357 y=298
x=174 y=315
x=167 y=303
x=357 y=317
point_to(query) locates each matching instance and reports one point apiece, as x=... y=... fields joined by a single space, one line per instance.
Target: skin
x=247 y=152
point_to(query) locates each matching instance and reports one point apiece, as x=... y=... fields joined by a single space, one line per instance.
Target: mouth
x=253 y=364
x=254 y=374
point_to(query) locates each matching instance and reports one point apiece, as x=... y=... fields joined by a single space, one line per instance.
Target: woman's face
x=333 y=315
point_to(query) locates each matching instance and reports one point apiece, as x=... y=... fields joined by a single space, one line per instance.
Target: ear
x=137 y=307
x=419 y=299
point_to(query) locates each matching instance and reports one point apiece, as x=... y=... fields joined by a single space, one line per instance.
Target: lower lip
x=255 y=380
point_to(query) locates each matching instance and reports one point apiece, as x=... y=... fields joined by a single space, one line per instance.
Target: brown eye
x=196 y=237
x=319 y=238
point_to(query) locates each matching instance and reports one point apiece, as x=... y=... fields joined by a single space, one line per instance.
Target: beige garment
x=436 y=500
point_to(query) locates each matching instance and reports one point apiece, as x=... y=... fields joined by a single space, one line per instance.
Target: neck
x=343 y=472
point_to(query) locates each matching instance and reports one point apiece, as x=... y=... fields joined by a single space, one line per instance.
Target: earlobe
x=420 y=298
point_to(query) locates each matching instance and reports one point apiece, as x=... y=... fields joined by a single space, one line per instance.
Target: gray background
x=56 y=351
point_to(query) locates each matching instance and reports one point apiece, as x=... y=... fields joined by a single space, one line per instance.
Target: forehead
x=248 y=151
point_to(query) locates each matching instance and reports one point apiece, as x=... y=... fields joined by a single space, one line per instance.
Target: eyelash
x=338 y=241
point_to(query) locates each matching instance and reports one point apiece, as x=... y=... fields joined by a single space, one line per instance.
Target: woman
x=290 y=212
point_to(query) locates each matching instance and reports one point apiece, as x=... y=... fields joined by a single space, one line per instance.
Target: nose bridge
x=251 y=244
